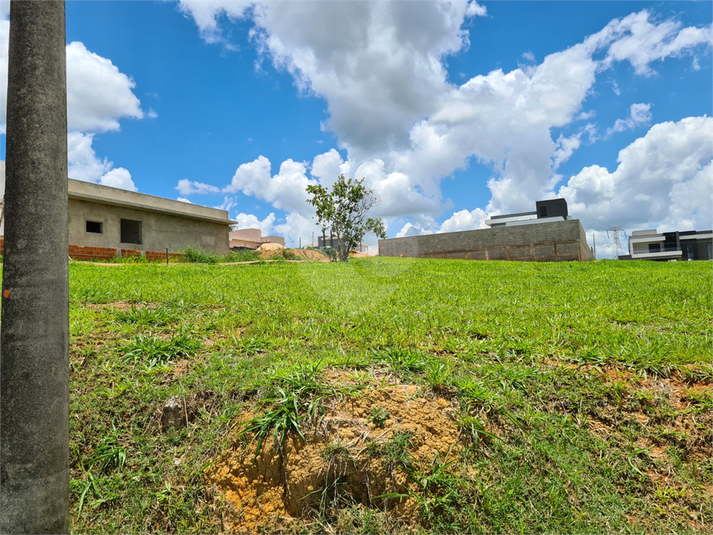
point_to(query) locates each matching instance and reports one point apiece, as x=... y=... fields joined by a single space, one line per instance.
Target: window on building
x=543 y=211
x=95 y=227
x=130 y=231
x=654 y=247
x=689 y=251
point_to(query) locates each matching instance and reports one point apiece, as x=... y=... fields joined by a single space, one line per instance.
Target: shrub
x=199 y=257
x=330 y=252
x=246 y=255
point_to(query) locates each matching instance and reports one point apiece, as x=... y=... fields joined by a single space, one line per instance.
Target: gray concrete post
x=34 y=361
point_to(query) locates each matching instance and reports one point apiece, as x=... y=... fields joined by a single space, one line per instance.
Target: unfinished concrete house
x=105 y=222
x=548 y=234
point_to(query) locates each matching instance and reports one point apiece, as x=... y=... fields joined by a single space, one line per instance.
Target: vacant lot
x=392 y=395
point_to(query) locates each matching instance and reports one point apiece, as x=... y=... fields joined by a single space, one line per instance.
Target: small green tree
x=343 y=211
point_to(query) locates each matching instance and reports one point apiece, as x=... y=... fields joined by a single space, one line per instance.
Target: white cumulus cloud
x=639 y=114
x=465 y=220
x=118 y=178
x=98 y=94
x=187 y=187
x=378 y=64
x=297 y=226
x=642 y=42
x=252 y=221
x=286 y=190
x=405 y=127
x=85 y=165
x=663 y=179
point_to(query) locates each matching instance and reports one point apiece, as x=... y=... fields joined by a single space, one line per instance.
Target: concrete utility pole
x=34 y=361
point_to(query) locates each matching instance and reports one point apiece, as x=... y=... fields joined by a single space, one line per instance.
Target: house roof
x=88 y=191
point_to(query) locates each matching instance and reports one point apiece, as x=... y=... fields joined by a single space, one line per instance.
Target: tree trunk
x=343 y=249
x=34 y=390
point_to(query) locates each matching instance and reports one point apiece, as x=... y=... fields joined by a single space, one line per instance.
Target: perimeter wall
x=557 y=241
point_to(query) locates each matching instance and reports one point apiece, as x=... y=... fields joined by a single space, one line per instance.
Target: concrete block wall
x=542 y=242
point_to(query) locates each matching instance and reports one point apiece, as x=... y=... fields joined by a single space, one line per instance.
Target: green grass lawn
x=582 y=390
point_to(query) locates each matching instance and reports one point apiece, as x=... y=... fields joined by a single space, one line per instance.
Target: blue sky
x=452 y=111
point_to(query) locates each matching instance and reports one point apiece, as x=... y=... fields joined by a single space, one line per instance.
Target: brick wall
x=157 y=256
x=79 y=252
x=541 y=242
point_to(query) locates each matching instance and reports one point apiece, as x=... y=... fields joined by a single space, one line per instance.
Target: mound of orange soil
x=362 y=450
x=315 y=256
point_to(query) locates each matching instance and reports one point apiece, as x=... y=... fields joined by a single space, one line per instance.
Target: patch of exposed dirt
x=672 y=418
x=667 y=409
x=182 y=368
x=362 y=449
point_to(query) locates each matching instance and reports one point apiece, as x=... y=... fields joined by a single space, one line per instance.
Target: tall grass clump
x=200 y=257
x=246 y=255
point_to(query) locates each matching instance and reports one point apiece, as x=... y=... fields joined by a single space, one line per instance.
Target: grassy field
x=579 y=396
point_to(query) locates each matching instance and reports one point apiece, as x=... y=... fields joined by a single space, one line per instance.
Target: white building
x=686 y=245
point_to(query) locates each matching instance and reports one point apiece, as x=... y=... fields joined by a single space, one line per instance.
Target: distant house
x=547 y=211
x=251 y=238
x=336 y=244
x=105 y=222
x=685 y=245
x=548 y=234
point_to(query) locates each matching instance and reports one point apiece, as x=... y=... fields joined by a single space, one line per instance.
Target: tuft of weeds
x=474 y=430
x=438 y=375
x=402 y=360
x=109 y=455
x=200 y=257
x=151 y=351
x=283 y=416
x=246 y=255
x=286 y=254
x=378 y=417
x=252 y=345
x=395 y=451
x=129 y=259
x=297 y=394
x=440 y=495
x=146 y=316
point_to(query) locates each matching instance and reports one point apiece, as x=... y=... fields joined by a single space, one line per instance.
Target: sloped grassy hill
x=581 y=392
